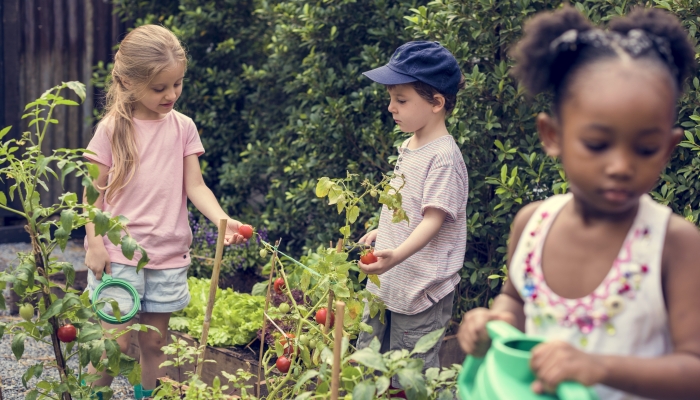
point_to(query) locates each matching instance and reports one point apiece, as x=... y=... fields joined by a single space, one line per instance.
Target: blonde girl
x=147 y=154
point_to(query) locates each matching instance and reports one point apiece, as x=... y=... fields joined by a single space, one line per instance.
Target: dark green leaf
x=18 y=344
x=129 y=246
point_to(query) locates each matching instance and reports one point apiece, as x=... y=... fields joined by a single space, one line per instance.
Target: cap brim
x=387 y=76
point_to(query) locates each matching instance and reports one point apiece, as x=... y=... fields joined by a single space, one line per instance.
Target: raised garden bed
x=228 y=359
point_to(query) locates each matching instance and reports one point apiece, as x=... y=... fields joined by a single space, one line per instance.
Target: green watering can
x=504 y=374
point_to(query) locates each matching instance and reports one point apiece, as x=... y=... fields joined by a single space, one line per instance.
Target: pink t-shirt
x=154 y=201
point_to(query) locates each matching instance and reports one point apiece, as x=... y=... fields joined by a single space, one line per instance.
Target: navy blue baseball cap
x=423 y=61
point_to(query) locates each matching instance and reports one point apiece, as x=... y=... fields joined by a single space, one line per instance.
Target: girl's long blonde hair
x=143 y=54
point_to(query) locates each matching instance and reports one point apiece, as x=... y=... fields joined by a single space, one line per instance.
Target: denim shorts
x=160 y=290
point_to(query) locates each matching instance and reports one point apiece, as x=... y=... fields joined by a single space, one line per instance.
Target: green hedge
x=276 y=88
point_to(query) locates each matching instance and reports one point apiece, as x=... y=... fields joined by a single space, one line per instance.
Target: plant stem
x=46 y=293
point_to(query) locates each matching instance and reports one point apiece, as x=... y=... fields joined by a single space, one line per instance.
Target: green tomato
x=263 y=253
x=284 y=308
x=27 y=312
x=320 y=345
x=312 y=343
x=303 y=339
x=348 y=396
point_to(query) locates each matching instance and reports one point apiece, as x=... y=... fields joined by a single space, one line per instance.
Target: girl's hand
x=97 y=260
x=473 y=336
x=386 y=260
x=555 y=362
x=369 y=237
x=232 y=236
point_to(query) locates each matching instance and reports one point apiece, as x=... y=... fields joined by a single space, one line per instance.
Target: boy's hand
x=369 y=237
x=232 y=236
x=386 y=260
x=473 y=336
x=556 y=361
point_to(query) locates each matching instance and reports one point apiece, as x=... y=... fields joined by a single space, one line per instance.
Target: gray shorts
x=160 y=290
x=403 y=331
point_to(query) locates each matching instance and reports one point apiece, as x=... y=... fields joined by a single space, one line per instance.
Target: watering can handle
x=575 y=391
x=497 y=330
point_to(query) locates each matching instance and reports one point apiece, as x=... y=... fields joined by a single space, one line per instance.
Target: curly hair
x=558 y=44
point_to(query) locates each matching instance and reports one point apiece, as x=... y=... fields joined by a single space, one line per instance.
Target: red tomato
x=321 y=317
x=283 y=364
x=279 y=285
x=67 y=333
x=246 y=231
x=368 y=258
x=288 y=350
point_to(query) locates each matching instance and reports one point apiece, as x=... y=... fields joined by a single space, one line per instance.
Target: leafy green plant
x=26 y=167
x=366 y=374
x=235 y=319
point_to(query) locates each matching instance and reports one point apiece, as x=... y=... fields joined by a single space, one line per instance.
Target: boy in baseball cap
x=418 y=262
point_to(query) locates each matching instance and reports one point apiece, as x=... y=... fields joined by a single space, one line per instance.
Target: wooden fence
x=44 y=43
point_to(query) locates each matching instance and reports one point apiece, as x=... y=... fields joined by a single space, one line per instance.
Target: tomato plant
x=49 y=227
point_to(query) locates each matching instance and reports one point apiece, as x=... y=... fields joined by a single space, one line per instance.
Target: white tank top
x=625 y=315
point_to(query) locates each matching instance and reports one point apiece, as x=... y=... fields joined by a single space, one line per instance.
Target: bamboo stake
x=223 y=223
x=267 y=303
x=338 y=342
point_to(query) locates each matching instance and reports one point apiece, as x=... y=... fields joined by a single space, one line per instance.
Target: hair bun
x=537 y=67
x=665 y=26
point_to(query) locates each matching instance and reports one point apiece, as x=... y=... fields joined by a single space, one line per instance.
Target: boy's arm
x=421 y=236
x=202 y=197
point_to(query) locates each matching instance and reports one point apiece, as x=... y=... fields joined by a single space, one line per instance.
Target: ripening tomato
x=67 y=333
x=284 y=308
x=279 y=285
x=288 y=349
x=283 y=364
x=246 y=231
x=368 y=258
x=27 y=312
x=321 y=317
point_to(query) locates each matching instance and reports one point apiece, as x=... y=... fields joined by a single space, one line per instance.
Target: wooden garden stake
x=338 y=342
x=264 y=324
x=223 y=223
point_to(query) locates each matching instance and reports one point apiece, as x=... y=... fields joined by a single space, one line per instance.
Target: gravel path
x=11 y=370
x=75 y=254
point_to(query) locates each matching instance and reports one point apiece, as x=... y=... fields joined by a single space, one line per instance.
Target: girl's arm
x=673 y=376
x=96 y=257
x=202 y=197
x=426 y=230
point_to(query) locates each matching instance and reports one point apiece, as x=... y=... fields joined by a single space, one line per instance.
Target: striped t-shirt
x=435 y=176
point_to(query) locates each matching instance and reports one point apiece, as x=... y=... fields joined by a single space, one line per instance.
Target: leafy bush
x=303 y=110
